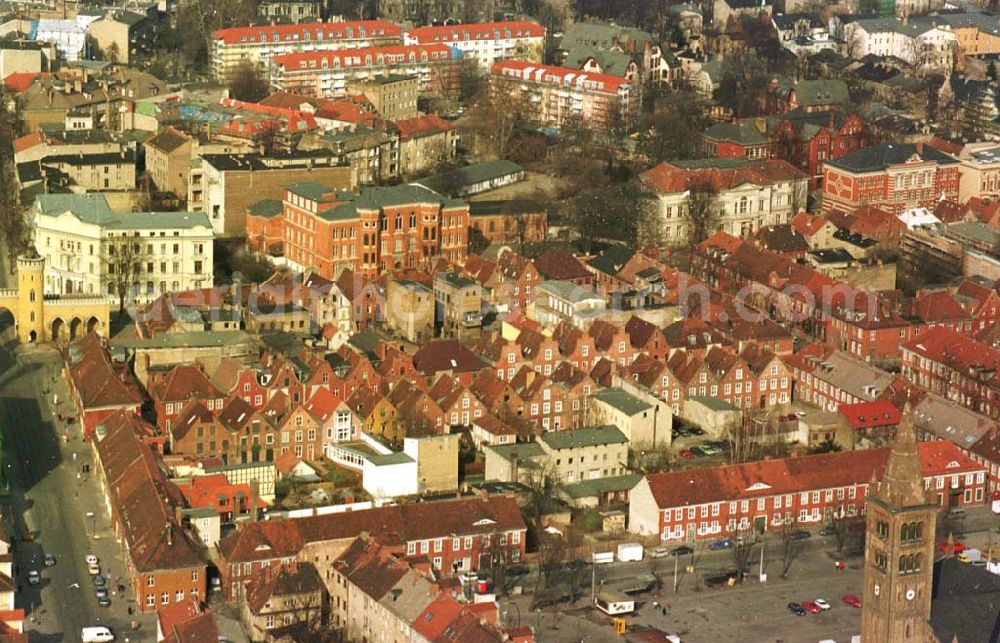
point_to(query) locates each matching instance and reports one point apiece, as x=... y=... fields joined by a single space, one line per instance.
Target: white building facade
x=80 y=237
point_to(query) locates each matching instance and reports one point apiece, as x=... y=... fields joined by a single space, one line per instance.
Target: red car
x=809 y=606
x=852 y=600
x=959 y=547
x=687 y=454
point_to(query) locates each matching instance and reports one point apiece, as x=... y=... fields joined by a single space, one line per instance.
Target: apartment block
x=557 y=94
x=486 y=42
x=257 y=45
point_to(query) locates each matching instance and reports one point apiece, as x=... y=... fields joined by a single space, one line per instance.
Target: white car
x=822 y=604
x=94 y=570
x=34 y=577
x=659 y=552
x=91 y=559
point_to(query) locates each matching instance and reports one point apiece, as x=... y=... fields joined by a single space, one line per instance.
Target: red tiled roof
x=561 y=76
x=560 y=264
x=20 y=81
x=97 y=382
x=477 y=31
x=947 y=347
x=348 y=58
x=421 y=126
x=867 y=415
x=184 y=382
x=792 y=475
x=392 y=525
x=330 y=31
x=446 y=355
x=28 y=141
x=806 y=224
x=671 y=179
x=938 y=306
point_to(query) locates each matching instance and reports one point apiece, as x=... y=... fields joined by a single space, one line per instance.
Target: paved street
x=49 y=500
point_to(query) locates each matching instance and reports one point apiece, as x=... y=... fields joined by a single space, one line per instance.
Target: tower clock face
x=910 y=594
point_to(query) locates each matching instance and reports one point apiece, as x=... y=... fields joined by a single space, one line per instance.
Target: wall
x=437 y=461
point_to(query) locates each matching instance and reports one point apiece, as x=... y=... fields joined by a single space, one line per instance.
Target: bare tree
x=745 y=438
x=791 y=546
x=497 y=551
x=846 y=529
x=14 y=225
x=248 y=84
x=205 y=17
x=743 y=540
x=702 y=210
x=499 y=111
x=551 y=554
x=125 y=257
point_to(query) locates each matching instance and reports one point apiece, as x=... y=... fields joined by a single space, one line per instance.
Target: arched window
x=31 y=295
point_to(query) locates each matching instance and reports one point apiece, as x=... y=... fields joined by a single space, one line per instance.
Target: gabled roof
x=611 y=260
x=723 y=174
x=446 y=355
x=791 y=475
x=97 y=381
x=184 y=382
x=287 y=582
x=560 y=264
x=881 y=157
x=168 y=140
x=868 y=415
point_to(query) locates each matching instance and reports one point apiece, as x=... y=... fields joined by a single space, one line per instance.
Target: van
x=956 y=512
x=603 y=557
x=97 y=634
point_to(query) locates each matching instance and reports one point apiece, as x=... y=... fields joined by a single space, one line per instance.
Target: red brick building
x=713 y=502
x=955 y=367
x=893 y=177
x=163 y=562
x=99 y=386
x=380 y=229
x=452 y=534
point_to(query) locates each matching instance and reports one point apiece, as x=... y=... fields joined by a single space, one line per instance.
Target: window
x=411 y=548
x=194 y=575
x=150 y=600
x=165 y=598
x=438 y=545
x=468 y=542
x=179 y=596
x=150 y=581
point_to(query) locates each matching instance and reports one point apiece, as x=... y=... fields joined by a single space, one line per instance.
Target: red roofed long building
x=711 y=502
x=258 y=44
x=486 y=42
x=326 y=74
x=451 y=534
x=955 y=367
x=560 y=93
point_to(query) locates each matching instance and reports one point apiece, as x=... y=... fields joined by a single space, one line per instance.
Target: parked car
x=28 y=537
x=801 y=535
x=696 y=431
x=796 y=609
x=99 y=581
x=822 y=604
x=719 y=545
x=698 y=452
x=91 y=559
x=852 y=600
x=659 y=552
x=686 y=454
x=34 y=577
x=683 y=550
x=94 y=570
x=101 y=592
x=810 y=606
x=104 y=601
x=50 y=560
x=708 y=449
x=829 y=530
x=959 y=547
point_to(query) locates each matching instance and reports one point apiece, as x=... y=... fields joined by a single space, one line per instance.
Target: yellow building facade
x=55 y=318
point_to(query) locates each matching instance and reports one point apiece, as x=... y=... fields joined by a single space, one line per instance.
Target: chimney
x=920 y=147
x=254 y=491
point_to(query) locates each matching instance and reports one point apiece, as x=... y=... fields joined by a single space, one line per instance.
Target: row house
x=163 y=563
x=99 y=386
x=749 y=194
x=259 y=44
x=579 y=386
x=497 y=395
x=561 y=93
x=454 y=535
x=515 y=280
x=981 y=301
x=328 y=74
x=379 y=229
x=485 y=43
x=503 y=354
x=612 y=342
x=711 y=502
x=826 y=377
x=956 y=367
x=576 y=347
x=539 y=351
x=546 y=404
x=171 y=392
x=656 y=376
x=894 y=177
x=647 y=338
x=459 y=405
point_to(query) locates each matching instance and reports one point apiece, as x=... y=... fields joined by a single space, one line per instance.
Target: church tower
x=899 y=546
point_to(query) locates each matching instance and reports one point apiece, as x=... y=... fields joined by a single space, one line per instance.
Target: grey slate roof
x=94 y=209
x=622 y=400
x=880 y=157
x=965 y=603
x=585 y=437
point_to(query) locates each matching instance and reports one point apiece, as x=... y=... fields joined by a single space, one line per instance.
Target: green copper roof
x=93 y=209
